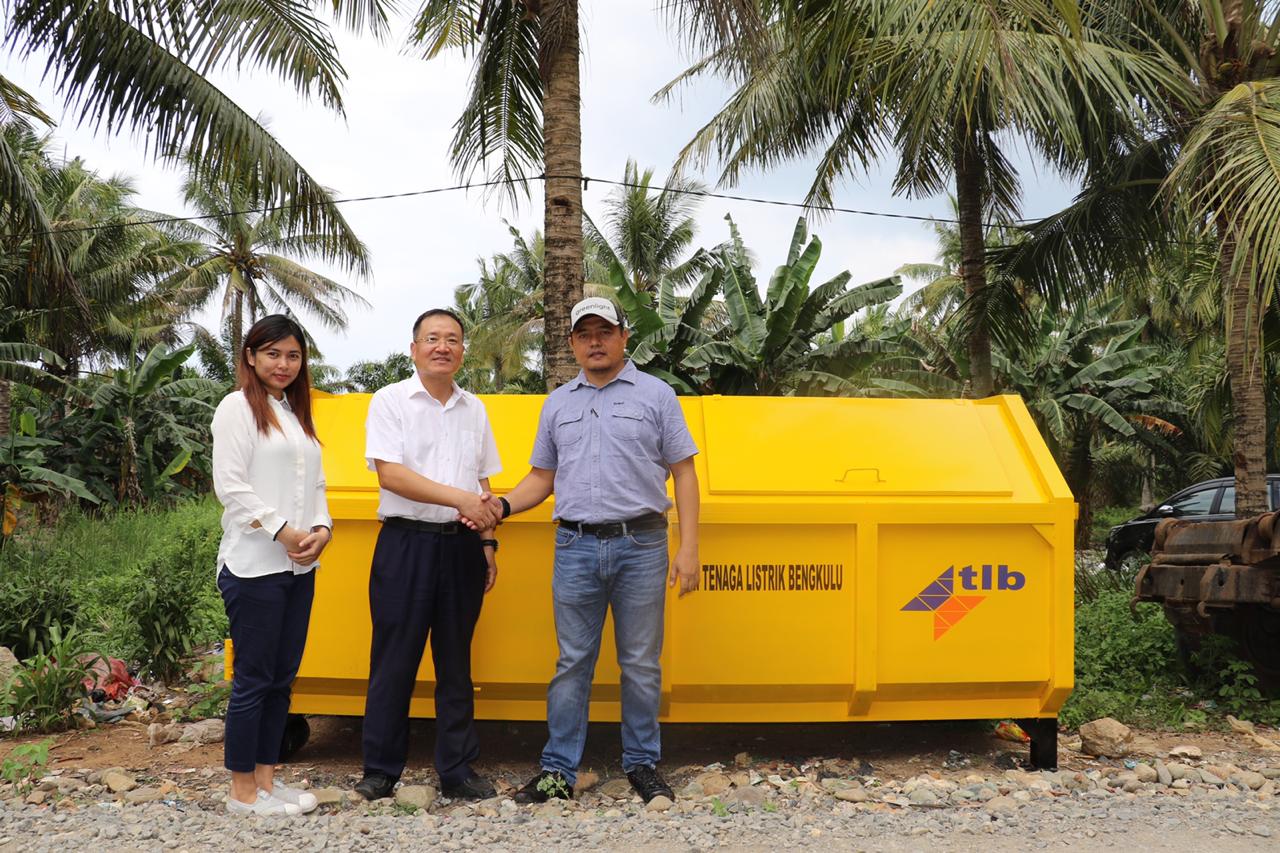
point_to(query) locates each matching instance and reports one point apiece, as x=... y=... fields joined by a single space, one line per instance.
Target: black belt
x=614 y=529
x=446 y=528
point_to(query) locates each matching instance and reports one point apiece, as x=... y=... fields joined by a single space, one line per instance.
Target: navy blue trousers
x=269 y=617
x=423 y=584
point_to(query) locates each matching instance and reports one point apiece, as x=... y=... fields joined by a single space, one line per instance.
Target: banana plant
x=147 y=407
x=1087 y=379
x=792 y=340
x=24 y=477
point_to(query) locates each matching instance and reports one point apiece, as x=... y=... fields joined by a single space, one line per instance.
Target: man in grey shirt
x=606 y=443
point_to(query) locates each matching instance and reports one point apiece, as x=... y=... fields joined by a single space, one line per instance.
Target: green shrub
x=36 y=599
x=166 y=608
x=1107 y=517
x=47 y=687
x=1131 y=670
x=105 y=560
x=1231 y=683
x=1125 y=668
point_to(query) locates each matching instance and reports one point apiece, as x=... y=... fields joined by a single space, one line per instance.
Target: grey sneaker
x=304 y=800
x=265 y=805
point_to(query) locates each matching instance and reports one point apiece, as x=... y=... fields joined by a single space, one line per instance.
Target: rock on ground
x=417 y=796
x=205 y=731
x=1106 y=737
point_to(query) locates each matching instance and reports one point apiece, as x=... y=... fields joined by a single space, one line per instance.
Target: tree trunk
x=6 y=407
x=237 y=329
x=1080 y=479
x=1148 y=484
x=130 y=488
x=562 y=154
x=973 y=258
x=1244 y=369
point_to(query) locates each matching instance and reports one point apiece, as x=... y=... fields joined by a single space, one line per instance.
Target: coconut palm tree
x=252 y=262
x=503 y=311
x=142 y=66
x=523 y=115
x=107 y=298
x=649 y=232
x=945 y=84
x=1204 y=172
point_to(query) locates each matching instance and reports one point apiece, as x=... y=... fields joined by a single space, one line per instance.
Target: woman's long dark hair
x=268 y=330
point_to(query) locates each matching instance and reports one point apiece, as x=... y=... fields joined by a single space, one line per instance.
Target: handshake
x=480 y=512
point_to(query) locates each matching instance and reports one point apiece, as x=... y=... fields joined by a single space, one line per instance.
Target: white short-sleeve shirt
x=448 y=443
x=273 y=478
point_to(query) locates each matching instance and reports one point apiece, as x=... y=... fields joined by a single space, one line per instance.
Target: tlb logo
x=950 y=605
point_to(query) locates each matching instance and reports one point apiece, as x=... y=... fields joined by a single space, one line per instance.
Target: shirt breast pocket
x=626 y=420
x=569 y=428
x=469 y=450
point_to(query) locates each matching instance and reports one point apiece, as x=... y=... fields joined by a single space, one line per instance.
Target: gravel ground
x=827 y=803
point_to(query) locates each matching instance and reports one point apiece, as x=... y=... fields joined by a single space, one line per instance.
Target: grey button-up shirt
x=611 y=448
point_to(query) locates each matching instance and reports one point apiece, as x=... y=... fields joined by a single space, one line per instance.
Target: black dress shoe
x=546 y=785
x=649 y=784
x=375 y=786
x=474 y=787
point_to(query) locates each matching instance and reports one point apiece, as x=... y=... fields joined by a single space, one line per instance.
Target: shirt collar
x=459 y=397
x=627 y=374
x=283 y=402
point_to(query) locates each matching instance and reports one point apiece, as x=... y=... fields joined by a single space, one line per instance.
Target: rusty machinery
x=1220 y=577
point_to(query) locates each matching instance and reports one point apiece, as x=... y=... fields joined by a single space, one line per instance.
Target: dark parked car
x=1211 y=500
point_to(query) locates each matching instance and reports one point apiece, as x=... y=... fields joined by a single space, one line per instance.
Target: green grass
x=105 y=559
x=1129 y=669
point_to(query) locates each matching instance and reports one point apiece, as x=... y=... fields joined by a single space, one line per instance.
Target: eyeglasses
x=437 y=341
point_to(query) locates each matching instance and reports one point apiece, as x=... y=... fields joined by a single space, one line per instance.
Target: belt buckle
x=449 y=527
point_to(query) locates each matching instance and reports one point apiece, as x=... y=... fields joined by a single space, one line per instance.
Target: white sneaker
x=304 y=800
x=264 y=805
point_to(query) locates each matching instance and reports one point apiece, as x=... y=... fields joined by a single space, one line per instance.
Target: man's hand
x=491 y=576
x=685 y=569
x=310 y=546
x=480 y=511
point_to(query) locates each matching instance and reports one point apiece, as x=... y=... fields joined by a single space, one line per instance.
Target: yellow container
x=861 y=560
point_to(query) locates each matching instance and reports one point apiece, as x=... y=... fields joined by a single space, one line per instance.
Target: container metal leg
x=296 y=733
x=1044 y=741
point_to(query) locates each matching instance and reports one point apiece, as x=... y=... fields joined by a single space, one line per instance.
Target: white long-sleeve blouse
x=272 y=479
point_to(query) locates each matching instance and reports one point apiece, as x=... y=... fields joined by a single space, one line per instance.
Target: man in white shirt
x=434 y=452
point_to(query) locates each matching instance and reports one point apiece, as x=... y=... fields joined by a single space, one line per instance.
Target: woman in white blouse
x=268 y=476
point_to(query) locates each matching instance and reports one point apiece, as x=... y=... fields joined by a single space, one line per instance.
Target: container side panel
x=964 y=604
x=774 y=607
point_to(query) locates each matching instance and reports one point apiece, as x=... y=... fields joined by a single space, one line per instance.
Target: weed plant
x=25 y=764
x=166 y=607
x=1129 y=667
x=93 y=568
x=205 y=700
x=47 y=687
x=36 y=599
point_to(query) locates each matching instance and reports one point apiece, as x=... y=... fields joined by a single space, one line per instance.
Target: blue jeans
x=269 y=617
x=627 y=574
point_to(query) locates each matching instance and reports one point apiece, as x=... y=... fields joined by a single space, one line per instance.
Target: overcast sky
x=400 y=115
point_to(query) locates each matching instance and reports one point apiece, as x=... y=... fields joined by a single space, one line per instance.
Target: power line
x=586 y=181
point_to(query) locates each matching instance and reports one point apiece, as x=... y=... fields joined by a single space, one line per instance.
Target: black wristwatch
x=506 y=507
x=493 y=543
